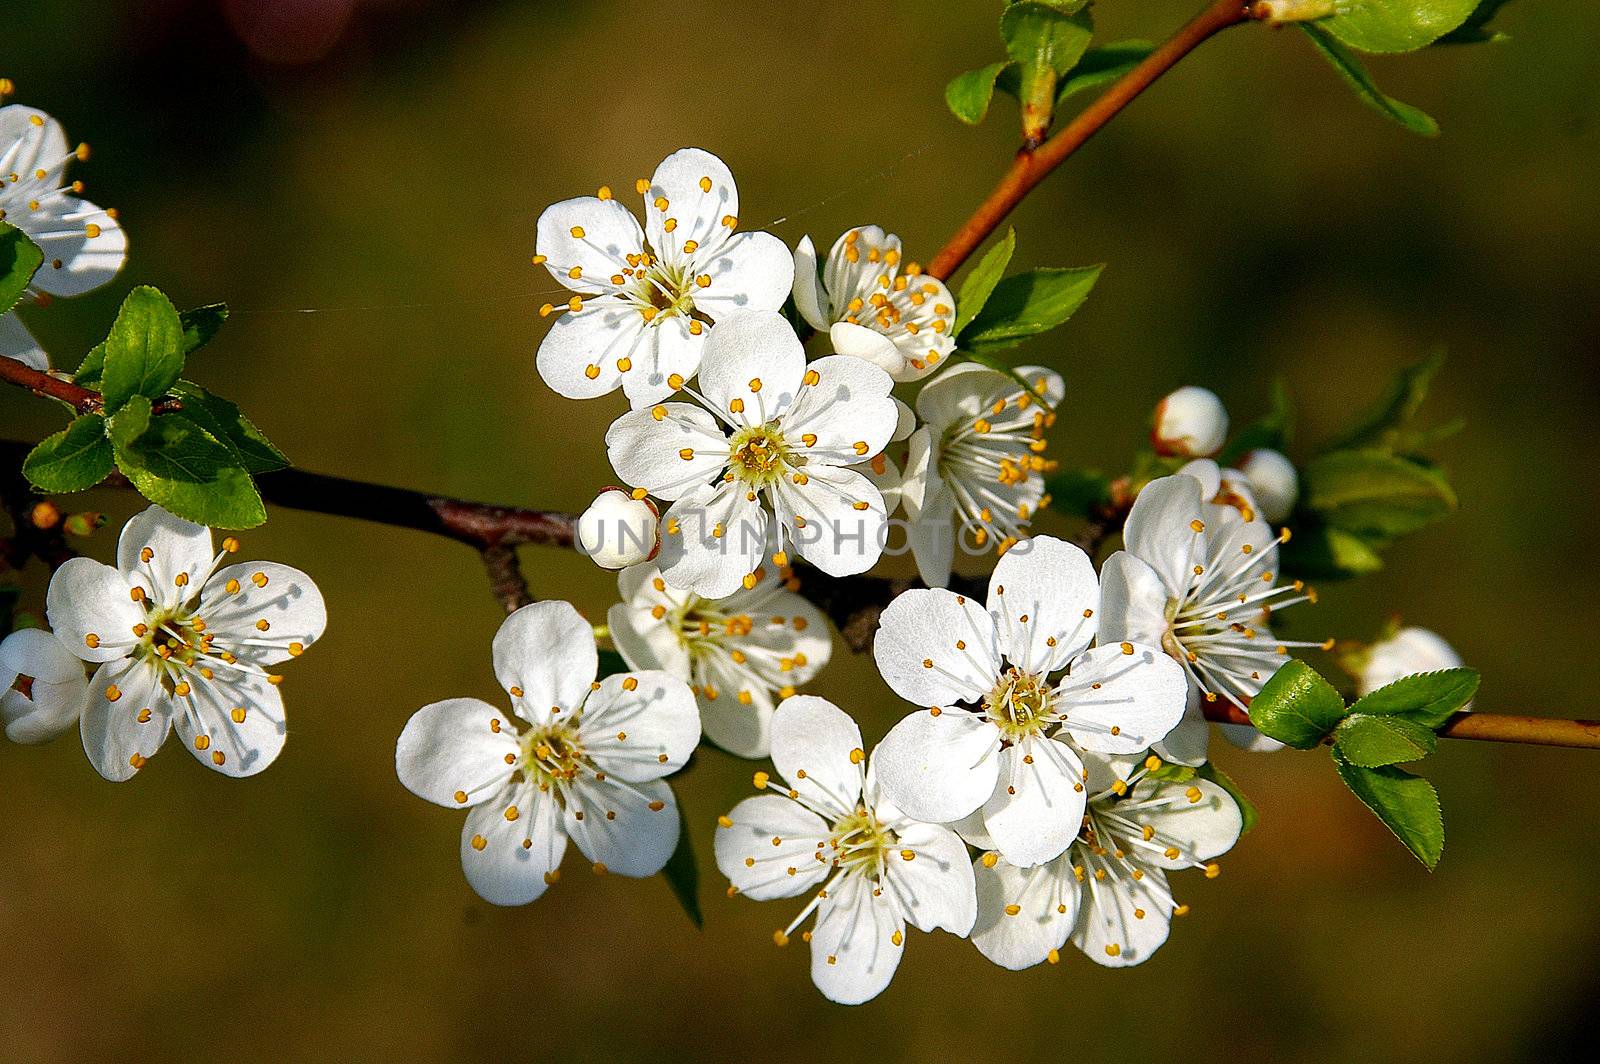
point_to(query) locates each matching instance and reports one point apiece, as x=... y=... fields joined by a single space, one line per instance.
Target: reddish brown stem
x=1490 y=727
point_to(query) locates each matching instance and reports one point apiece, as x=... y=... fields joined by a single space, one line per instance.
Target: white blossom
x=1189 y=423
x=584 y=760
x=976 y=466
x=1407 y=651
x=873 y=306
x=741 y=654
x=1014 y=754
x=1273 y=482
x=43 y=688
x=763 y=464
x=646 y=299
x=83 y=245
x=183 y=643
x=873 y=869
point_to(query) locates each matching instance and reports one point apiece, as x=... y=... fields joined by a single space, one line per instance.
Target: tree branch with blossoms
x=1053 y=766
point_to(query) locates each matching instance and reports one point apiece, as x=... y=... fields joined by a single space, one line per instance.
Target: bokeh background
x=359 y=179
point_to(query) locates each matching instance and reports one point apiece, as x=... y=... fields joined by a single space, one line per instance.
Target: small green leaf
x=1397 y=25
x=968 y=94
x=182 y=468
x=683 y=874
x=1297 y=706
x=201 y=324
x=1373 y=742
x=222 y=419
x=978 y=285
x=92 y=368
x=1476 y=29
x=1272 y=431
x=77 y=457
x=1425 y=698
x=1080 y=492
x=1374 y=493
x=1408 y=805
x=1027 y=304
x=20 y=259
x=1042 y=36
x=1322 y=553
x=144 y=352
x=1379 y=425
x=1102 y=66
x=1247 y=808
x=1356 y=76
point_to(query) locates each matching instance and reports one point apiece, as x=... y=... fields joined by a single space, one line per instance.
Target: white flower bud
x=617 y=530
x=1189 y=423
x=1410 y=650
x=1273 y=482
x=43 y=689
x=1280 y=11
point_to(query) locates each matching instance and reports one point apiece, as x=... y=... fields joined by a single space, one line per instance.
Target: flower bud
x=1410 y=650
x=1281 y=11
x=1273 y=482
x=84 y=524
x=1189 y=423
x=45 y=514
x=618 y=530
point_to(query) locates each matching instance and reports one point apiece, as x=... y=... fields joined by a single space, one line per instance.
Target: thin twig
x=1489 y=727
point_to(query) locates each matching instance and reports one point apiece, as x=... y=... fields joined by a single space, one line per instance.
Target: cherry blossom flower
x=43 y=689
x=896 y=317
x=873 y=869
x=647 y=299
x=183 y=642
x=83 y=245
x=1014 y=754
x=584 y=760
x=763 y=464
x=741 y=654
x=1196 y=578
x=977 y=459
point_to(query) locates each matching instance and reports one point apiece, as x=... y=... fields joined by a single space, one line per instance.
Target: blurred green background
x=361 y=184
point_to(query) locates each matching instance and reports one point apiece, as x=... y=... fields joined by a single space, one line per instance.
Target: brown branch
x=1032 y=166
x=80 y=399
x=1489 y=727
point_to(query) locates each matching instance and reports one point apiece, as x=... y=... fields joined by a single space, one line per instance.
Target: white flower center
x=860 y=843
x=1020 y=704
x=553 y=755
x=757 y=455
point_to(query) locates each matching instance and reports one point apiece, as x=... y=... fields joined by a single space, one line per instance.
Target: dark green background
x=369 y=215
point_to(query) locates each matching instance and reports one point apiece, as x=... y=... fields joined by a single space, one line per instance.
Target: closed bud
x=83 y=524
x=1273 y=482
x=617 y=530
x=45 y=514
x=1189 y=423
x=1276 y=11
x=1407 y=651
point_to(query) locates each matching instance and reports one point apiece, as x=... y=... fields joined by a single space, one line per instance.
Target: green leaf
x=979 y=284
x=1027 y=304
x=1360 y=82
x=20 y=259
x=77 y=457
x=181 y=467
x=144 y=352
x=1380 y=425
x=1476 y=29
x=1408 y=805
x=1319 y=552
x=1374 y=493
x=1297 y=706
x=1080 y=492
x=1397 y=25
x=1045 y=37
x=968 y=94
x=683 y=874
x=1247 y=808
x=223 y=420
x=1102 y=66
x=201 y=324
x=1425 y=698
x=1271 y=432
x=1372 y=741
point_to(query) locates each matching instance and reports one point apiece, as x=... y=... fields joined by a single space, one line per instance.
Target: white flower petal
x=809 y=296
x=455 y=747
x=1199 y=828
x=759 y=869
x=920 y=474
x=936 y=648
x=1141 y=695
x=853 y=952
x=857 y=259
x=546 y=652
x=884 y=475
x=847 y=409
x=1024 y=914
x=1190 y=740
x=594 y=235
x=117 y=741
x=37 y=653
x=1247 y=738
x=938 y=768
x=88 y=243
x=641 y=835
x=592 y=341
x=860 y=342
x=749 y=272
x=1052 y=584
x=57 y=695
x=644 y=641
x=668 y=348
x=1123 y=920
x=91 y=611
x=1133 y=601
x=695 y=557
x=282 y=596
x=1036 y=808
x=640 y=725
x=836 y=519
x=744 y=729
x=817 y=748
x=932 y=536
x=178 y=550
x=509 y=861
x=210 y=725
x=650 y=452
x=757 y=349
x=1161 y=530
x=699 y=192
x=30 y=139
x=935 y=887
x=18 y=343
